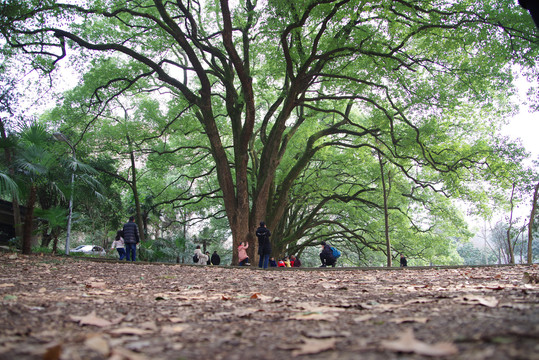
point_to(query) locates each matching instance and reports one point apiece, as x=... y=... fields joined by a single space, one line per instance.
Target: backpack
x=336 y=253
x=195 y=258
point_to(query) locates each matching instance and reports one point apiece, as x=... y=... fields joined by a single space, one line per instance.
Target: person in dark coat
x=215 y=258
x=131 y=239
x=326 y=256
x=295 y=259
x=264 y=245
x=404 y=262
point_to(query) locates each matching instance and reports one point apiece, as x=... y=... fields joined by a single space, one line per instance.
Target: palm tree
x=38 y=172
x=32 y=163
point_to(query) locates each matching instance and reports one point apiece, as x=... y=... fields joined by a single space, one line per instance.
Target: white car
x=90 y=250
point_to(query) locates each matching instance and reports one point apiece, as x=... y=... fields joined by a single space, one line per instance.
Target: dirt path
x=63 y=308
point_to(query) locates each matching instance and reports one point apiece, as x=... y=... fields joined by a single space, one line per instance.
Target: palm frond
x=8 y=186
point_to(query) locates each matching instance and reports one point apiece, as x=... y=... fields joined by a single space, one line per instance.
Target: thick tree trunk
x=28 y=221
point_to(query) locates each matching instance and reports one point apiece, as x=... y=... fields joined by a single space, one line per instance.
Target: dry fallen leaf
x=420 y=301
x=313 y=316
x=409 y=344
x=176 y=319
x=488 y=301
x=148 y=325
x=97 y=285
x=124 y=354
x=421 y=320
x=53 y=352
x=130 y=331
x=314 y=346
x=91 y=319
x=495 y=287
x=98 y=344
x=174 y=329
x=324 y=334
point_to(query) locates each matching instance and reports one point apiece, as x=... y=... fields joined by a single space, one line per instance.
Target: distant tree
x=470 y=254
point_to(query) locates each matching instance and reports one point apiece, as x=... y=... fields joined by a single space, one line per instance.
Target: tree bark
x=386 y=212
x=28 y=221
x=511 y=255
x=134 y=188
x=530 y=224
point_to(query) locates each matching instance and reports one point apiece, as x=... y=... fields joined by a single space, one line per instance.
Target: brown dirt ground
x=68 y=308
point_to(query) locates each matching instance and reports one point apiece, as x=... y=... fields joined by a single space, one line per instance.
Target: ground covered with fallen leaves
x=66 y=308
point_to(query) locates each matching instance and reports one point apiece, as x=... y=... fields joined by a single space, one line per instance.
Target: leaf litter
x=78 y=309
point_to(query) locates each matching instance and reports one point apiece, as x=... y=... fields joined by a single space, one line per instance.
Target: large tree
x=418 y=81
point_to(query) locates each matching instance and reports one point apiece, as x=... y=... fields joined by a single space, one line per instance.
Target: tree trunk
x=138 y=211
x=46 y=237
x=55 y=242
x=386 y=212
x=530 y=225
x=511 y=255
x=28 y=221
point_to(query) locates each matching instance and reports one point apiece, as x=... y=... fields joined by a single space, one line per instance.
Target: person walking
x=119 y=245
x=131 y=239
x=264 y=245
x=202 y=258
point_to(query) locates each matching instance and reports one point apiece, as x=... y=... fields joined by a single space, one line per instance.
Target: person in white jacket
x=202 y=258
x=119 y=245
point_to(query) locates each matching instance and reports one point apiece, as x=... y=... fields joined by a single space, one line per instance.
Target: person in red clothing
x=294 y=261
x=281 y=263
x=242 y=254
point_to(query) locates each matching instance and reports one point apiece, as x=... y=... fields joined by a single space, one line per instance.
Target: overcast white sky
x=526 y=127
x=526 y=124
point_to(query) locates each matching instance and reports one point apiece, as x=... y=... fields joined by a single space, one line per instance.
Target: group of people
x=264 y=251
x=126 y=241
x=264 y=248
x=201 y=258
x=288 y=261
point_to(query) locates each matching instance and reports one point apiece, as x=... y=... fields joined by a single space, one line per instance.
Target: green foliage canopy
x=272 y=86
